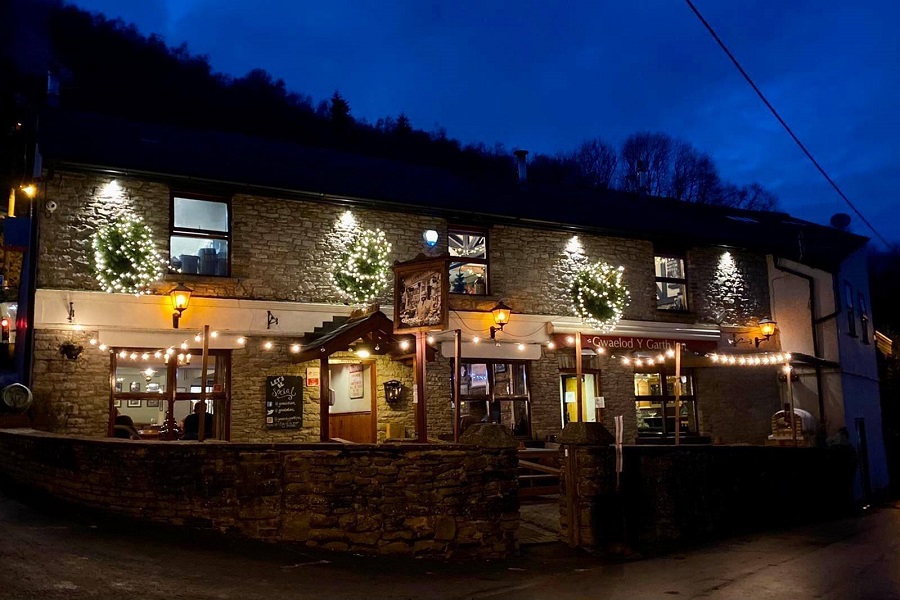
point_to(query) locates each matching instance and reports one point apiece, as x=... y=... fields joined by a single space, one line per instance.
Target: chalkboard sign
x=284 y=402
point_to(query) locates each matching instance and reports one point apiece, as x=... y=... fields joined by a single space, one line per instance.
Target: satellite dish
x=840 y=221
x=17 y=397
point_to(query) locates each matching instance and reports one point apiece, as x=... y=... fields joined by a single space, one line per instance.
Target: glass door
x=589 y=397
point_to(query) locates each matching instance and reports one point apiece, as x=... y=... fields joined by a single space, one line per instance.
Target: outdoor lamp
x=430 y=237
x=181 y=297
x=501 y=317
x=392 y=390
x=767 y=328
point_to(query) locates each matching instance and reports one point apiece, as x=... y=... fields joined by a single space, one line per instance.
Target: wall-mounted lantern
x=501 y=314
x=430 y=237
x=767 y=328
x=392 y=391
x=181 y=297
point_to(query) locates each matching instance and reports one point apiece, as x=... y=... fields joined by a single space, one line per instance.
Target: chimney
x=520 y=162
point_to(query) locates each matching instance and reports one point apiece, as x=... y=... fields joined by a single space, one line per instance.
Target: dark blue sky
x=545 y=76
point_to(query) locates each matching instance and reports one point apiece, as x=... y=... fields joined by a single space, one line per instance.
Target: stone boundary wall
x=442 y=501
x=671 y=495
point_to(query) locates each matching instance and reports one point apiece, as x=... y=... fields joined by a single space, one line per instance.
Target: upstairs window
x=468 y=261
x=200 y=236
x=863 y=319
x=851 y=315
x=671 y=282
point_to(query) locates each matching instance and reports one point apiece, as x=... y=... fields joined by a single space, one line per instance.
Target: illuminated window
x=671 y=282
x=655 y=403
x=142 y=387
x=496 y=392
x=200 y=237
x=468 y=261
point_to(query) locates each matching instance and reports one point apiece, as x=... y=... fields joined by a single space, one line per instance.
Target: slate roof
x=236 y=162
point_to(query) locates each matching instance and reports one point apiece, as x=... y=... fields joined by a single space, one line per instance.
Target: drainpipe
x=814 y=323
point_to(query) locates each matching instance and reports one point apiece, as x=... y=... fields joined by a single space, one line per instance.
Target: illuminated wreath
x=598 y=294
x=125 y=258
x=362 y=270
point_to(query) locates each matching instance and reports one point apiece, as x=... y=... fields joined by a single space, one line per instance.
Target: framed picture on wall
x=134 y=404
x=117 y=403
x=152 y=403
x=357 y=387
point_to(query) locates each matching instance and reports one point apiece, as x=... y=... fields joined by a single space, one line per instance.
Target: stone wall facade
x=726 y=287
x=70 y=396
x=736 y=405
x=446 y=501
x=294 y=265
x=671 y=495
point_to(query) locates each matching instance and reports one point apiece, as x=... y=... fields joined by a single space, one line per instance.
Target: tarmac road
x=48 y=555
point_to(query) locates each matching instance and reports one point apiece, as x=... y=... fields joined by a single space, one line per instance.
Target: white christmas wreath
x=598 y=294
x=362 y=270
x=125 y=258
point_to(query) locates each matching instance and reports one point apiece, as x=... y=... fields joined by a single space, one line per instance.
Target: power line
x=783 y=124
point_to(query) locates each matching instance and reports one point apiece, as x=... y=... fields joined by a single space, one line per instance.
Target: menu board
x=284 y=402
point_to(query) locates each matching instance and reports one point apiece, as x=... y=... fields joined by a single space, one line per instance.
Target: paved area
x=49 y=555
x=539 y=521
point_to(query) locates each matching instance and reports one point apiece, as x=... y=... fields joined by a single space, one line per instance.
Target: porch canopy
x=375 y=331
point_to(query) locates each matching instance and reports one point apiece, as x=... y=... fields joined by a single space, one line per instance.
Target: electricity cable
x=783 y=123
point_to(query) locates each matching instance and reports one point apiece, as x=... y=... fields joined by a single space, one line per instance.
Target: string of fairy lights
x=182 y=353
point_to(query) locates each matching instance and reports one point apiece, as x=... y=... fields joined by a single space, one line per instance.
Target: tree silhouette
x=106 y=66
x=597 y=162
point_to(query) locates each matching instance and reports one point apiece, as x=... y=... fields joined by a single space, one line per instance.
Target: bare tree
x=750 y=197
x=694 y=177
x=647 y=162
x=597 y=162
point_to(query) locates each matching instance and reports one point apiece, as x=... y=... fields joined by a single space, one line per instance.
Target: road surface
x=49 y=554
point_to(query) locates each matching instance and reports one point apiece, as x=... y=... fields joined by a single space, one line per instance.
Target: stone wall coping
x=393 y=447
x=695 y=448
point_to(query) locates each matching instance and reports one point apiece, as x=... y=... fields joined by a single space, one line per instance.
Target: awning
x=374 y=328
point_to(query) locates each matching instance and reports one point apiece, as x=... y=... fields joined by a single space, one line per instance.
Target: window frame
x=851 y=314
x=221 y=399
x=472 y=230
x=863 y=318
x=201 y=234
x=665 y=398
x=492 y=396
x=676 y=280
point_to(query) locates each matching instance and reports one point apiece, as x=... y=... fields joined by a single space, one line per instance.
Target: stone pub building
x=252 y=228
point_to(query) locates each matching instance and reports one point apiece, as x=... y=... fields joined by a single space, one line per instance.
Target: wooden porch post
x=324 y=386
x=204 y=366
x=421 y=420
x=579 y=376
x=457 y=353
